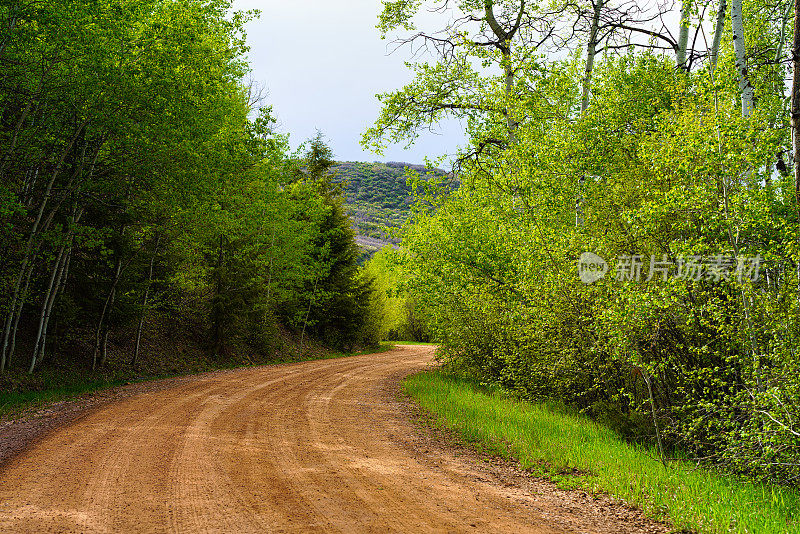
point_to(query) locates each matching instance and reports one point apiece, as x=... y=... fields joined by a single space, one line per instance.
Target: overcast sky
x=322 y=63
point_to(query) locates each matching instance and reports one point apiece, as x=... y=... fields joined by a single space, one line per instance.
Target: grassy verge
x=17 y=401
x=577 y=452
x=65 y=385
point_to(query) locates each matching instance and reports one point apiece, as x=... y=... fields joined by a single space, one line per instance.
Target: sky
x=322 y=62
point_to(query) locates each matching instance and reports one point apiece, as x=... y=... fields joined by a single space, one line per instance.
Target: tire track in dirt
x=309 y=447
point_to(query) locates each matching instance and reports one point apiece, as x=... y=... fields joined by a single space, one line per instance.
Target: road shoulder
x=572 y=510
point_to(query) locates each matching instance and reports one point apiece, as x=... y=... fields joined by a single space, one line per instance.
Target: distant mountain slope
x=378 y=196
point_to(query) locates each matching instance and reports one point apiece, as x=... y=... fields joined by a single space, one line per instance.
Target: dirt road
x=310 y=447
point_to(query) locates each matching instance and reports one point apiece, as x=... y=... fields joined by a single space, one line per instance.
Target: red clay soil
x=322 y=446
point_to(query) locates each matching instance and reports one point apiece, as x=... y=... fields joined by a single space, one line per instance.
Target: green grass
x=61 y=387
x=576 y=452
x=14 y=400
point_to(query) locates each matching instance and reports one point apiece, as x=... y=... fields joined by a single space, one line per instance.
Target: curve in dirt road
x=309 y=447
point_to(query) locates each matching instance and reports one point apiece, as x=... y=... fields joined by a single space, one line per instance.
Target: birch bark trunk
x=15 y=305
x=591 y=51
x=683 y=35
x=60 y=282
x=101 y=334
x=504 y=39
x=718 y=29
x=740 y=50
x=46 y=304
x=795 y=109
x=144 y=302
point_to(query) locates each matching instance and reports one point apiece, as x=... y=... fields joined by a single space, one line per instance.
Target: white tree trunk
x=29 y=253
x=740 y=49
x=12 y=346
x=144 y=302
x=795 y=109
x=504 y=39
x=308 y=312
x=683 y=35
x=784 y=20
x=65 y=255
x=47 y=306
x=101 y=334
x=718 y=29
x=591 y=51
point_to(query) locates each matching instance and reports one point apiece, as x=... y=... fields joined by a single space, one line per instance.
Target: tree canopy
x=140 y=176
x=660 y=150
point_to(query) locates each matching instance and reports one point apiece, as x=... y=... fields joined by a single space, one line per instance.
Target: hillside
x=378 y=198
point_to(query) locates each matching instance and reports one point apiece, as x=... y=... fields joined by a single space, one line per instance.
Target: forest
x=145 y=191
x=625 y=237
x=379 y=195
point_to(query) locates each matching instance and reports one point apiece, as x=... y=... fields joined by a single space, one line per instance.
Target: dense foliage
x=396 y=312
x=660 y=162
x=379 y=196
x=134 y=180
